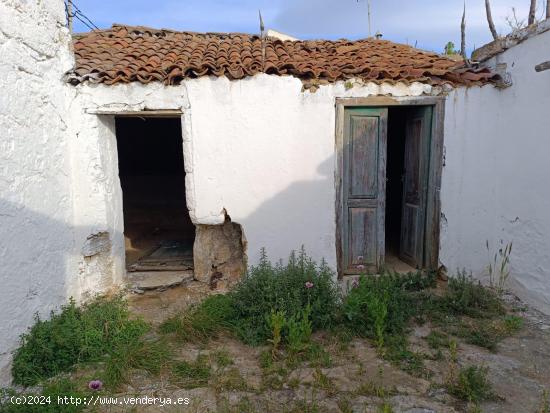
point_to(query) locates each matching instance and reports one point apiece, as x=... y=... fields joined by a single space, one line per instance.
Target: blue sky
x=429 y=24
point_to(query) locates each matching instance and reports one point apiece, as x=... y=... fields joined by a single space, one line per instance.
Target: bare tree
x=463 y=34
x=548 y=9
x=490 y=20
x=514 y=22
x=532 y=12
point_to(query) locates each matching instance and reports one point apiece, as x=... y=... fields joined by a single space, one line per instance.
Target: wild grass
x=282 y=305
x=62 y=387
x=207 y=320
x=192 y=374
x=99 y=331
x=371 y=388
x=471 y=384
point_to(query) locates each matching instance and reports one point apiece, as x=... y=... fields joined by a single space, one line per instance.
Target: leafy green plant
x=471 y=385
x=299 y=331
x=377 y=306
x=276 y=321
x=90 y=333
x=289 y=288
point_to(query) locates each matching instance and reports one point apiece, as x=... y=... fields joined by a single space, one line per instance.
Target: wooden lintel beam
x=543 y=66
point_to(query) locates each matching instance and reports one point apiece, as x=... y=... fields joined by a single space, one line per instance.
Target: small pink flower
x=309 y=284
x=360 y=267
x=360 y=258
x=355 y=284
x=95 y=385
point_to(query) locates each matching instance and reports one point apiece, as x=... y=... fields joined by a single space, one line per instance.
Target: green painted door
x=415 y=185
x=363 y=189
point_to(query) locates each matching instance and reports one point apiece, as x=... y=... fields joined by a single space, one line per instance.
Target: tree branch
x=532 y=12
x=490 y=20
x=463 y=36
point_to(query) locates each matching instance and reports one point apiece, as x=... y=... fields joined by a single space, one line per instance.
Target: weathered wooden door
x=363 y=189
x=415 y=183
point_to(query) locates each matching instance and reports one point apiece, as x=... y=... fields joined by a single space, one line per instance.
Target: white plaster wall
x=495 y=182
x=264 y=151
x=260 y=149
x=35 y=172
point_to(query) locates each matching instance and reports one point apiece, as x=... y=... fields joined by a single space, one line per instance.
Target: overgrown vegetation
x=287 y=288
x=99 y=331
x=194 y=374
x=471 y=384
x=270 y=297
x=62 y=387
x=281 y=305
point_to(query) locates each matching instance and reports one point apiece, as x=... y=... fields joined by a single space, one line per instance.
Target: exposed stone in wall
x=96 y=244
x=219 y=254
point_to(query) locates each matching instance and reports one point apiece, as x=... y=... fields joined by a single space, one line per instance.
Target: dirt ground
x=356 y=379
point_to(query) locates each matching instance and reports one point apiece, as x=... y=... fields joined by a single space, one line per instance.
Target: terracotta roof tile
x=129 y=54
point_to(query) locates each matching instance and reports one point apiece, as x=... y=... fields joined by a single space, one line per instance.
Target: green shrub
x=75 y=334
x=268 y=287
x=464 y=296
x=471 y=385
x=377 y=306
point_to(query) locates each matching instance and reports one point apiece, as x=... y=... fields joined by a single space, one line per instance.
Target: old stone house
x=133 y=152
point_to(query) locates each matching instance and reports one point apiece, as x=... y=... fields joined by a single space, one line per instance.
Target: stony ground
x=350 y=378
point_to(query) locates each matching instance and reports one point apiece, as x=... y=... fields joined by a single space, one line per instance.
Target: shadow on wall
x=42 y=266
x=302 y=214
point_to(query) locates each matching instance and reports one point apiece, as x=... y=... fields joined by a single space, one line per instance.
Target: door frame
x=433 y=201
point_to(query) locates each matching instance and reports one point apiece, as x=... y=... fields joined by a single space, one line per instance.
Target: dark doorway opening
x=158 y=231
x=395 y=178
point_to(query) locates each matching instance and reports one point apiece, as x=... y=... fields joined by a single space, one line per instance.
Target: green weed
x=372 y=389
x=279 y=287
x=230 y=379
x=471 y=385
x=385 y=408
x=150 y=355
x=323 y=382
x=276 y=321
x=89 y=333
x=545 y=403
x=437 y=339
x=192 y=374
x=299 y=330
x=62 y=387
x=464 y=296
x=202 y=322
x=222 y=358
